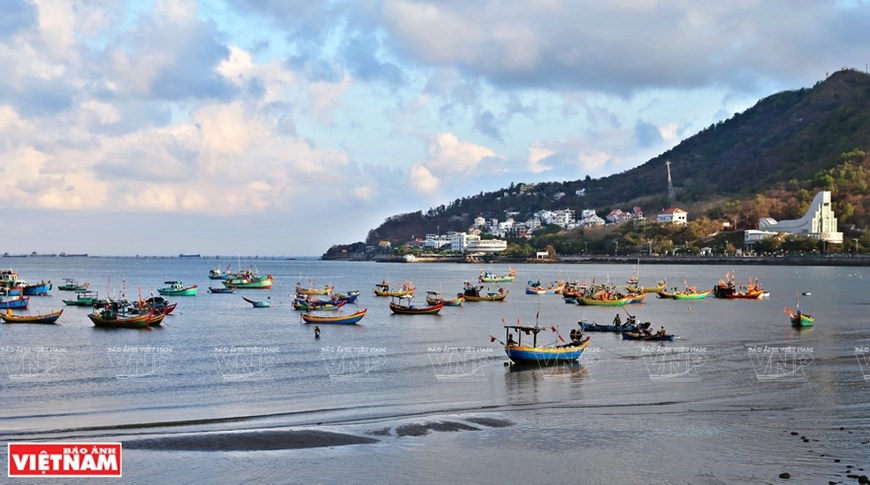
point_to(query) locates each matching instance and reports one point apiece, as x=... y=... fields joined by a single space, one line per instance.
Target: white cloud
x=448 y=154
x=422 y=179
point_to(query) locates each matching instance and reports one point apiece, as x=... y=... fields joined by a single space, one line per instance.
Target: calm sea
x=228 y=393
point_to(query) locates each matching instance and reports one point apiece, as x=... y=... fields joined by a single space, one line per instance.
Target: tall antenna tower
x=672 y=199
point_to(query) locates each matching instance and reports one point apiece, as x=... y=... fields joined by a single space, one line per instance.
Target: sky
x=283 y=127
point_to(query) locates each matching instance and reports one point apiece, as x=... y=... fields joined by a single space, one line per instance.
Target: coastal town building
x=819 y=222
x=469 y=243
x=672 y=215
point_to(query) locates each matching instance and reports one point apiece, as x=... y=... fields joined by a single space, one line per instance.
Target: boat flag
x=492 y=339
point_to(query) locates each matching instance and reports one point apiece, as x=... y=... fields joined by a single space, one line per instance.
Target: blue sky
x=281 y=127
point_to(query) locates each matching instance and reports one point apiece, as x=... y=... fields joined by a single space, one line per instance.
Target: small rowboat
x=684 y=295
x=602 y=327
x=326 y=290
x=230 y=289
x=351 y=319
x=650 y=338
x=547 y=355
x=258 y=303
x=8 y=317
x=799 y=318
x=407 y=309
x=435 y=297
x=477 y=293
x=383 y=289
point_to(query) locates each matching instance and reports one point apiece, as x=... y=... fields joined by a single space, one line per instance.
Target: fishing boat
x=307 y=306
x=301 y=290
x=481 y=293
x=383 y=289
x=226 y=289
x=177 y=288
x=350 y=297
x=110 y=318
x=489 y=277
x=729 y=289
x=351 y=319
x=688 y=294
x=15 y=303
x=38 y=289
x=217 y=274
x=258 y=303
x=613 y=327
x=402 y=305
x=605 y=301
x=9 y=317
x=435 y=297
x=541 y=355
x=86 y=298
x=799 y=318
x=249 y=279
x=157 y=304
x=72 y=285
x=647 y=337
x=11 y=283
x=536 y=288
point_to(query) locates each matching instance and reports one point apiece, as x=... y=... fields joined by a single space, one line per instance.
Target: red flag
x=553 y=329
x=492 y=339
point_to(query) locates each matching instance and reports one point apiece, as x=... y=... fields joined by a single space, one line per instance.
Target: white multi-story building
x=436 y=241
x=468 y=243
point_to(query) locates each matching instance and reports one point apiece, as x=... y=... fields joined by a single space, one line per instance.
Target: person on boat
x=631 y=320
x=510 y=339
x=646 y=332
x=617 y=320
x=661 y=332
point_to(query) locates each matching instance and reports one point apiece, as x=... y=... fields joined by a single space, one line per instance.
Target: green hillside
x=766 y=161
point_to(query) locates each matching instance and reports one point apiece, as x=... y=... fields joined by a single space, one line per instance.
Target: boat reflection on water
x=560 y=370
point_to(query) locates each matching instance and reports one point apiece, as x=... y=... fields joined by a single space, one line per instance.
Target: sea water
x=226 y=393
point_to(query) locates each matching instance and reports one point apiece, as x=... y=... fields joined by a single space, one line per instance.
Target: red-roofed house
x=673 y=215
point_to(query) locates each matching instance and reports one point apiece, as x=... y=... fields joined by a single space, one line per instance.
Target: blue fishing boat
x=16 y=303
x=545 y=355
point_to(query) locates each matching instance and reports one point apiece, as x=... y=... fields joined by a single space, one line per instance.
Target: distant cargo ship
x=73 y=255
x=182 y=255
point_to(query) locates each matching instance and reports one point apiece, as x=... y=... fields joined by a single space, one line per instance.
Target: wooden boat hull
x=327 y=290
x=412 y=310
x=803 y=321
x=351 y=319
x=608 y=302
x=700 y=295
x=545 y=355
x=39 y=289
x=649 y=338
x=598 y=327
x=259 y=283
x=212 y=289
x=454 y=302
x=188 y=291
x=395 y=293
x=103 y=319
x=725 y=292
x=496 y=279
x=44 y=318
x=488 y=297
x=17 y=303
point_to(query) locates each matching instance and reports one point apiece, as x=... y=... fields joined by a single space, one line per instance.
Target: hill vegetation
x=768 y=161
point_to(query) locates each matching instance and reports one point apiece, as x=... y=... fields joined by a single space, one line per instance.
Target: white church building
x=819 y=223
